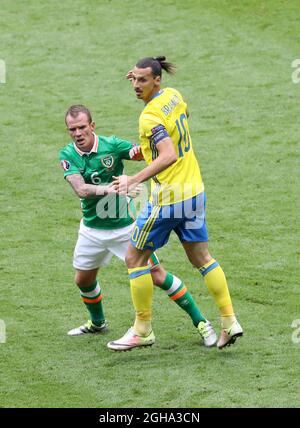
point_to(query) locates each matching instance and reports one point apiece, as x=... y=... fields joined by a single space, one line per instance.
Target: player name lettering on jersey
x=167 y=108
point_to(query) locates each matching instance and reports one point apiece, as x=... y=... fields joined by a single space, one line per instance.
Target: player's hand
x=123 y=184
x=129 y=75
x=111 y=189
x=136 y=153
x=120 y=183
x=135 y=190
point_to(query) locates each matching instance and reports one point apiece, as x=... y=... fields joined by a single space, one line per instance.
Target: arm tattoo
x=84 y=190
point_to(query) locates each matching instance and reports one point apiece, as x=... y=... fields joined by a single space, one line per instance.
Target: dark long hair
x=157 y=64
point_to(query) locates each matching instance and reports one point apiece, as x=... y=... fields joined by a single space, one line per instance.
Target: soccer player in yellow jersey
x=177 y=203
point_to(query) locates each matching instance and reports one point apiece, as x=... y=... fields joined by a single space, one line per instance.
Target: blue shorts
x=155 y=223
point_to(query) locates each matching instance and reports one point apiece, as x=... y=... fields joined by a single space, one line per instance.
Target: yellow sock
x=142 y=328
x=215 y=281
x=141 y=286
x=227 y=320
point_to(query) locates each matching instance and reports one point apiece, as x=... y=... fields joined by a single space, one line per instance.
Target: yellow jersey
x=165 y=115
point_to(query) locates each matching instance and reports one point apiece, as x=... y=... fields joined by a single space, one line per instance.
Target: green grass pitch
x=234 y=69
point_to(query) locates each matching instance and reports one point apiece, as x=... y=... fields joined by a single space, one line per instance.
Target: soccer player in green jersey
x=177 y=203
x=90 y=162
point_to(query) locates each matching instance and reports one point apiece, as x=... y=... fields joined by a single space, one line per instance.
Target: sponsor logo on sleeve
x=65 y=165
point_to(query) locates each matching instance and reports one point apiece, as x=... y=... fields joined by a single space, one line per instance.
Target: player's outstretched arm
x=166 y=157
x=84 y=190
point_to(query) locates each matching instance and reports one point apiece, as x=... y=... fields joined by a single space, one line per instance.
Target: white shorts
x=95 y=247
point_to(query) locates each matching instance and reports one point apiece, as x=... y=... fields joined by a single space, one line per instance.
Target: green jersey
x=104 y=161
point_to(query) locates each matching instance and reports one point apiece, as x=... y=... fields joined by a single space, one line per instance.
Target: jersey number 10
x=183 y=132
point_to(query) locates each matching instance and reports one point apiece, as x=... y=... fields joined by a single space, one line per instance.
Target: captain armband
x=159 y=132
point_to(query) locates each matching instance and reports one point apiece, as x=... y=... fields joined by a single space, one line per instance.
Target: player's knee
x=78 y=280
x=129 y=260
x=133 y=260
x=203 y=260
x=198 y=260
x=83 y=280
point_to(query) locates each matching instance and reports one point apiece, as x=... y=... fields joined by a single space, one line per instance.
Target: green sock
x=179 y=293
x=92 y=298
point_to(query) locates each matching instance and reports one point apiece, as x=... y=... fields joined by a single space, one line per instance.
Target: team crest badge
x=107 y=161
x=65 y=165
